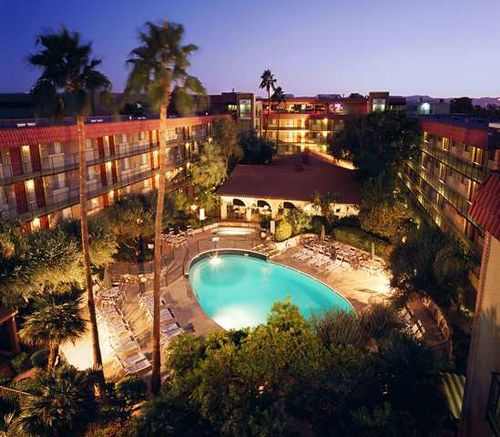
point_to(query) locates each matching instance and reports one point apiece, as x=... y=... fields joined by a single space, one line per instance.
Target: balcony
x=468 y=168
x=63 y=162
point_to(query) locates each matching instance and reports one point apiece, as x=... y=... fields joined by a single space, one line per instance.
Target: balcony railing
x=468 y=168
x=63 y=162
x=67 y=121
x=71 y=196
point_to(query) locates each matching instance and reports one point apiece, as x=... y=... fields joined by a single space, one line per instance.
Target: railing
x=63 y=162
x=68 y=121
x=71 y=196
x=468 y=168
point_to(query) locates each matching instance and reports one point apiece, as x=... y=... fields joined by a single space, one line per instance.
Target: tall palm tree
x=278 y=97
x=69 y=78
x=268 y=83
x=56 y=319
x=158 y=65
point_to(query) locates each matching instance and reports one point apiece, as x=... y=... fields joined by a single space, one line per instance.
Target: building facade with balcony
x=39 y=171
x=309 y=123
x=455 y=157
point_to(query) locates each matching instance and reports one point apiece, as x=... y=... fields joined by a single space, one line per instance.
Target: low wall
x=215 y=252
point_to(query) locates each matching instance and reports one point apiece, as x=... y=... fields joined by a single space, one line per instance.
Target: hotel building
x=39 y=171
x=455 y=157
x=309 y=123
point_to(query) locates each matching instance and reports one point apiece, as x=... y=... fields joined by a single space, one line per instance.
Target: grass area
x=362 y=240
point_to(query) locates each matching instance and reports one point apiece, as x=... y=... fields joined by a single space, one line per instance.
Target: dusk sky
x=438 y=47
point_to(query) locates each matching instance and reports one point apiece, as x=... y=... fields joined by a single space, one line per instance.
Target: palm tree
x=69 y=78
x=268 y=82
x=159 y=65
x=278 y=97
x=62 y=404
x=56 y=319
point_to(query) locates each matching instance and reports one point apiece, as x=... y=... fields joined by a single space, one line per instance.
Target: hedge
x=362 y=240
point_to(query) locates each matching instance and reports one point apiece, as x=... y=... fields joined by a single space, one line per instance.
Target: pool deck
x=359 y=287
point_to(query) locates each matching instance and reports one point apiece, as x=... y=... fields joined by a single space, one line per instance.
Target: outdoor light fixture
x=215 y=261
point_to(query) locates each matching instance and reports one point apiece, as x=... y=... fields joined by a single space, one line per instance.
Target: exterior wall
x=452 y=163
x=341 y=210
x=484 y=354
x=39 y=165
x=305 y=123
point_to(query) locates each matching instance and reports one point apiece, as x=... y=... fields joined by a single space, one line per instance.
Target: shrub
x=362 y=240
x=39 y=358
x=4 y=380
x=20 y=362
x=316 y=222
x=28 y=385
x=299 y=220
x=131 y=389
x=283 y=230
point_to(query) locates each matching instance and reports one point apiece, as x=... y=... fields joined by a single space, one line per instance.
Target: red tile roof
x=297 y=177
x=485 y=207
x=15 y=137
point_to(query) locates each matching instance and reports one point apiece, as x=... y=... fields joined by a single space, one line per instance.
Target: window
x=245 y=108
x=445 y=144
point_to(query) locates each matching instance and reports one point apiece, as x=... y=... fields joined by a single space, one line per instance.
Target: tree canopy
x=293 y=377
x=256 y=150
x=225 y=135
x=429 y=263
x=69 y=78
x=378 y=143
x=159 y=66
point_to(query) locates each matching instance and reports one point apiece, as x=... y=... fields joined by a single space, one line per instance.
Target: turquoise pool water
x=238 y=291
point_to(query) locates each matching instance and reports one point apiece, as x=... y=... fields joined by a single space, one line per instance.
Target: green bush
x=28 y=385
x=316 y=222
x=362 y=240
x=283 y=230
x=20 y=362
x=131 y=389
x=39 y=358
x=4 y=381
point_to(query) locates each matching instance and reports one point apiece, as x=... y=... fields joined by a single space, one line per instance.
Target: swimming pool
x=237 y=290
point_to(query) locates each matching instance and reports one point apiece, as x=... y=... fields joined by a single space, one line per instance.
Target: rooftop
x=297 y=177
x=486 y=205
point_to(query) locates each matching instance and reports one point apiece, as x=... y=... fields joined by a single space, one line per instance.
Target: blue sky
x=438 y=47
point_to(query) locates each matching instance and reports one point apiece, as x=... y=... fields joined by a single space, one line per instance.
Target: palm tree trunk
x=156 y=371
x=278 y=129
x=268 y=111
x=53 y=353
x=96 y=350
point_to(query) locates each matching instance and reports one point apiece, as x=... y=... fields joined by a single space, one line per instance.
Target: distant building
x=240 y=105
x=306 y=123
x=427 y=106
x=309 y=123
x=481 y=403
x=16 y=105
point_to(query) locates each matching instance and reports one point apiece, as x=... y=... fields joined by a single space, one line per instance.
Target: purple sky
x=439 y=47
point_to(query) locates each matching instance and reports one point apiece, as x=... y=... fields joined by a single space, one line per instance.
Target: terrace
x=125 y=309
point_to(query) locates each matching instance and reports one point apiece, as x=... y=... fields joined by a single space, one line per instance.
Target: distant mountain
x=481 y=101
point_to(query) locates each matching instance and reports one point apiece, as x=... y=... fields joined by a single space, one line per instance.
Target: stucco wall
x=484 y=357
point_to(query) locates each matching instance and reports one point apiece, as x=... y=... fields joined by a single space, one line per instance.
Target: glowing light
x=36 y=223
x=30 y=185
x=215 y=261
